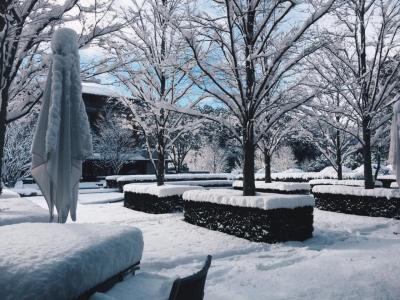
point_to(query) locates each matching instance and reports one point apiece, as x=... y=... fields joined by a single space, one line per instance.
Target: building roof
x=94 y=88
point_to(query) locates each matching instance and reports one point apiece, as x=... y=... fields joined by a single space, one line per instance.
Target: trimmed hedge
x=254 y=224
x=276 y=191
x=111 y=183
x=359 y=205
x=153 y=204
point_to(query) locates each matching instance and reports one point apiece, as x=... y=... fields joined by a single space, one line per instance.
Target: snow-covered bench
x=19 y=210
x=262 y=218
x=147 y=286
x=63 y=261
x=387 y=180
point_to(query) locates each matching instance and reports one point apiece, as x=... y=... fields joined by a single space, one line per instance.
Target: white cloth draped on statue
x=62 y=139
x=394 y=153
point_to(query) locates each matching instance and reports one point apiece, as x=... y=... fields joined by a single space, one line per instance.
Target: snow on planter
x=378 y=202
x=122 y=180
x=19 y=210
x=261 y=218
x=62 y=261
x=348 y=182
x=155 y=199
x=279 y=187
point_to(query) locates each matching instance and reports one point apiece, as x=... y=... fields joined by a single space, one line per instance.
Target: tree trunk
x=267 y=166
x=368 y=177
x=378 y=164
x=339 y=157
x=160 y=160
x=366 y=132
x=3 y=8
x=3 y=115
x=249 y=188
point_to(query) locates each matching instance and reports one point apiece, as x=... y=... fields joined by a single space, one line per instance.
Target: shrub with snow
x=261 y=218
x=155 y=199
x=378 y=202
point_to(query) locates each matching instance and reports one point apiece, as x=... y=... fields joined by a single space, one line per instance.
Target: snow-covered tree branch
x=155 y=72
x=245 y=57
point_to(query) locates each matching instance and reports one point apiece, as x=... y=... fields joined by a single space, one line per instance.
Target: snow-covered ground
x=349 y=257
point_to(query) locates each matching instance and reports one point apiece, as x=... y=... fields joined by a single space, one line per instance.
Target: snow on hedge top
x=61 y=261
x=159 y=191
x=19 y=210
x=188 y=176
x=349 y=182
x=265 y=201
x=113 y=177
x=100 y=89
x=356 y=191
x=277 y=185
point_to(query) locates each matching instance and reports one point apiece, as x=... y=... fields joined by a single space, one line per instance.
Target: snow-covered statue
x=62 y=139
x=394 y=153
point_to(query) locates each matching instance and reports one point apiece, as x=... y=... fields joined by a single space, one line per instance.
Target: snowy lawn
x=349 y=257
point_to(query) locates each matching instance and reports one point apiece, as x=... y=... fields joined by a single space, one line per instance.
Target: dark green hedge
x=153 y=204
x=254 y=224
x=359 y=205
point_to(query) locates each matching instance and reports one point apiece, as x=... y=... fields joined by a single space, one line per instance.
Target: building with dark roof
x=95 y=97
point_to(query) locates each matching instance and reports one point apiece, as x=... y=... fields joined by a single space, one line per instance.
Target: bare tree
x=180 y=149
x=25 y=31
x=247 y=56
x=335 y=144
x=211 y=157
x=272 y=140
x=112 y=142
x=155 y=72
x=17 y=158
x=361 y=64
